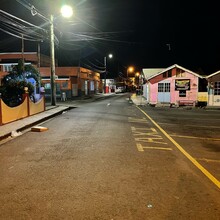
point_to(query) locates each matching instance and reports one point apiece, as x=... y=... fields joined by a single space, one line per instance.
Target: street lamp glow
x=66 y=11
x=131 y=69
x=110 y=56
x=137 y=74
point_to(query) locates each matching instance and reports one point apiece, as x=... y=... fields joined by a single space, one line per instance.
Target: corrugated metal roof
x=151 y=71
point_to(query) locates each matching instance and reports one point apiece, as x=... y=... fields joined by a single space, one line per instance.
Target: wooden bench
x=186 y=102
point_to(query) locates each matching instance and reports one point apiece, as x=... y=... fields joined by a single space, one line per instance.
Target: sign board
x=182 y=84
x=202 y=97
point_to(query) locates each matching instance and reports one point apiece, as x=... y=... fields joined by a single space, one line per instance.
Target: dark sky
x=137 y=32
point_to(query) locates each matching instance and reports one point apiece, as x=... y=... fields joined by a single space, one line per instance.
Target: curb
x=4 y=136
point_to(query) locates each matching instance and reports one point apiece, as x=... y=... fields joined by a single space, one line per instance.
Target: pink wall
x=191 y=94
x=153 y=93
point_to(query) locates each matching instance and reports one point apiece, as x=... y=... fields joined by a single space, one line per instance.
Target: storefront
x=174 y=85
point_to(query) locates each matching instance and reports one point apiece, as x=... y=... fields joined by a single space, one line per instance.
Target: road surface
x=110 y=160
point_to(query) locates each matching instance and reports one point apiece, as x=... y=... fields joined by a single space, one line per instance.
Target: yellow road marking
x=208 y=160
x=197 y=126
x=137 y=120
x=150 y=140
x=196 y=163
x=192 y=137
x=141 y=148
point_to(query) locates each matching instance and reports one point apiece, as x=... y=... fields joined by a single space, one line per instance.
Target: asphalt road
x=109 y=160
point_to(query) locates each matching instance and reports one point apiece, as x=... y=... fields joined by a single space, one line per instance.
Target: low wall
x=37 y=107
x=25 y=109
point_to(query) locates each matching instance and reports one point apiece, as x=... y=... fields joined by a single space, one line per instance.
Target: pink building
x=174 y=85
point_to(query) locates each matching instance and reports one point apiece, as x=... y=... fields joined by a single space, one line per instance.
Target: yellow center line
x=193 y=137
x=196 y=163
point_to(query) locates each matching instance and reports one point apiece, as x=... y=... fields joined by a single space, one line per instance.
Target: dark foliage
x=13 y=84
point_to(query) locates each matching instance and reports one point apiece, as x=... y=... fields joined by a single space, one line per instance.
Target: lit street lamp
x=137 y=74
x=105 y=69
x=66 y=11
x=130 y=69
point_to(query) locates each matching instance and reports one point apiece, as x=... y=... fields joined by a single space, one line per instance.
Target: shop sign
x=202 y=97
x=182 y=84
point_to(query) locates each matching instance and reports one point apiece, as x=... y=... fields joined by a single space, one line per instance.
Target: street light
x=66 y=11
x=137 y=74
x=130 y=69
x=105 y=69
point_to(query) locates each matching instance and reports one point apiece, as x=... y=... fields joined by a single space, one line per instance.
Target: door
x=86 y=87
x=164 y=92
x=74 y=89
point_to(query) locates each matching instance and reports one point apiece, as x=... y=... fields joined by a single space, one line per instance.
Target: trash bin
x=63 y=96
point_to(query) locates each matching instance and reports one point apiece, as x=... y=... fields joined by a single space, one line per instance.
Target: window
x=163 y=87
x=167 y=87
x=7 y=68
x=160 y=87
x=217 y=88
x=47 y=86
x=164 y=74
x=64 y=85
x=182 y=93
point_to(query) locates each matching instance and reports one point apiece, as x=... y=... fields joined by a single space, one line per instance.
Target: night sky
x=143 y=33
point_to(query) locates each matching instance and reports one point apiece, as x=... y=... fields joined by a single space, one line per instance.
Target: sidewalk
x=51 y=111
x=138 y=99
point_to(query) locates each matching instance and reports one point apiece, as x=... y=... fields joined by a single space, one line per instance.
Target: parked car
x=119 y=90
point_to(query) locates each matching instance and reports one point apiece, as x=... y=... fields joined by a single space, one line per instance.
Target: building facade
x=73 y=81
x=214 y=89
x=174 y=85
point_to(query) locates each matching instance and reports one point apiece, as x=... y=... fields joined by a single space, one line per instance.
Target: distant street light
x=67 y=12
x=137 y=74
x=130 y=69
x=105 y=67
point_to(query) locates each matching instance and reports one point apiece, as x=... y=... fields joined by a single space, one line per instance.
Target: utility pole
x=38 y=54
x=52 y=55
x=22 y=52
x=105 y=74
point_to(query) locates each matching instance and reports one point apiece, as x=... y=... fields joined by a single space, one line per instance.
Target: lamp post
x=105 y=69
x=129 y=69
x=66 y=11
x=137 y=74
